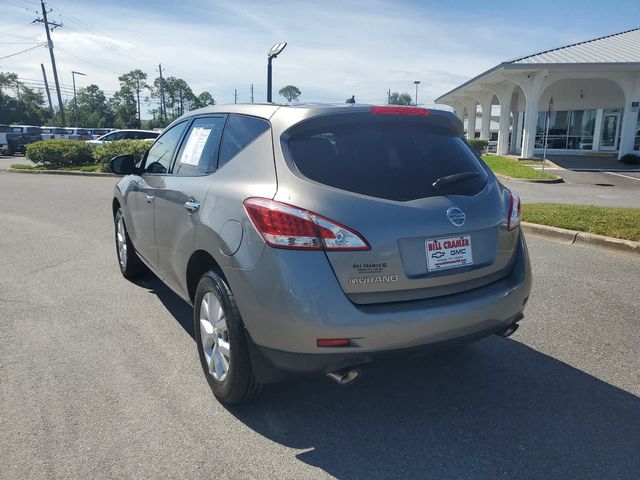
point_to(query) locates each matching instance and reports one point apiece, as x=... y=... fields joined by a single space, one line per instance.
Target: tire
x=130 y=265
x=219 y=329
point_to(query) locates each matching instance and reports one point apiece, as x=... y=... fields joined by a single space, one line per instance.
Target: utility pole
x=163 y=109
x=235 y=96
x=75 y=100
x=138 y=99
x=46 y=88
x=417 y=82
x=389 y=97
x=47 y=28
x=252 y=93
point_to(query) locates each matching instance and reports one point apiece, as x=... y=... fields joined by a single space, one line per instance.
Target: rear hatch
x=407 y=182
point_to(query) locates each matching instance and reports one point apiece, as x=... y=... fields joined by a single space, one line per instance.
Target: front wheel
x=222 y=342
x=130 y=265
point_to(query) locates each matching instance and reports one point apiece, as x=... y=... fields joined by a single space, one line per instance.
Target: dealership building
x=593 y=88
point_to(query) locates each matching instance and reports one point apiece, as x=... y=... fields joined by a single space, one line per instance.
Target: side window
x=239 y=132
x=161 y=152
x=148 y=135
x=200 y=148
x=116 y=136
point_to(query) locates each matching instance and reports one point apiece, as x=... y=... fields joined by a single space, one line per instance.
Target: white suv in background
x=125 y=135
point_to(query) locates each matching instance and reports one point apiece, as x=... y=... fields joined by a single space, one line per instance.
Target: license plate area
x=448 y=252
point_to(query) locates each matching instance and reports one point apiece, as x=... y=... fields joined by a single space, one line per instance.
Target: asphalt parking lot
x=99 y=376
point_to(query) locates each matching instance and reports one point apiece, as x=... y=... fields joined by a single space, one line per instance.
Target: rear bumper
x=287 y=304
x=265 y=360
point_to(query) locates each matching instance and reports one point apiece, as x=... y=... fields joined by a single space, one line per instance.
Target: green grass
x=83 y=168
x=612 y=222
x=513 y=168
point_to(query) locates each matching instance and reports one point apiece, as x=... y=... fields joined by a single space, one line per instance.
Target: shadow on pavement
x=493 y=409
x=181 y=311
x=587 y=162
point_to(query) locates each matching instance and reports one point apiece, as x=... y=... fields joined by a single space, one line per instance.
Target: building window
x=568 y=130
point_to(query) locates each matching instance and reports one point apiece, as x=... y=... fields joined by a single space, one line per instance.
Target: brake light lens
x=413 y=111
x=285 y=226
x=515 y=210
x=333 y=342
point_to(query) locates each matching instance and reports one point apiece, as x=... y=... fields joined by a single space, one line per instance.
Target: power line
x=16 y=29
x=23 y=51
x=88 y=62
x=19 y=43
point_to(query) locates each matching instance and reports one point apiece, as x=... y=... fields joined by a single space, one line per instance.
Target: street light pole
x=75 y=101
x=417 y=82
x=271 y=54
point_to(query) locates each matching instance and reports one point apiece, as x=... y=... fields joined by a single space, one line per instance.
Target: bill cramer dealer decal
x=443 y=253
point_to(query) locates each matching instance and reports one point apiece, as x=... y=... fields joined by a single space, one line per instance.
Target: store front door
x=610 y=130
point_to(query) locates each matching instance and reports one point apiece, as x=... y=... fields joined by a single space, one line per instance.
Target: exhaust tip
x=344 y=377
x=510 y=330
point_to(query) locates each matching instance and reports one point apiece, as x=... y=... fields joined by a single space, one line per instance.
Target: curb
x=530 y=180
x=62 y=172
x=573 y=237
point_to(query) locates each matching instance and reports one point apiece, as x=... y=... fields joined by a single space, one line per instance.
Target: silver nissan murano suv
x=317 y=238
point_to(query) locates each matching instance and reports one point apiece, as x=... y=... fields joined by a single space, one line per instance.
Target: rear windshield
x=394 y=158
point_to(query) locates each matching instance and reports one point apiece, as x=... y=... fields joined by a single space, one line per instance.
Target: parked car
x=98 y=132
x=49 y=133
x=315 y=239
x=79 y=134
x=4 y=141
x=125 y=135
x=22 y=135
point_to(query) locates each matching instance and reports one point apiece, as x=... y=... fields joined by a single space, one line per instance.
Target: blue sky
x=336 y=48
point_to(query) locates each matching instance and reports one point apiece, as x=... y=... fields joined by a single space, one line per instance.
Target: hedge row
x=477 y=145
x=72 y=153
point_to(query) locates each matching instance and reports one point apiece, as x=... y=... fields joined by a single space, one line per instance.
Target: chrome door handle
x=192 y=206
x=150 y=197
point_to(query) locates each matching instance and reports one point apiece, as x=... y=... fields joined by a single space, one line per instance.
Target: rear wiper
x=456 y=177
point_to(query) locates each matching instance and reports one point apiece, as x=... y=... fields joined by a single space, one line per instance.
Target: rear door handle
x=192 y=206
x=150 y=197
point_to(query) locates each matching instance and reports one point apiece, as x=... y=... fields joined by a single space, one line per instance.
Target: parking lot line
x=625 y=176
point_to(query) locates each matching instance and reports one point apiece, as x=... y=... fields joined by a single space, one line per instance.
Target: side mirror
x=123 y=164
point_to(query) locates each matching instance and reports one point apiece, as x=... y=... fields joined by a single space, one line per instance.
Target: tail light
x=515 y=210
x=285 y=226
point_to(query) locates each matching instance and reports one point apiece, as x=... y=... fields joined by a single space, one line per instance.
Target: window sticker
x=195 y=145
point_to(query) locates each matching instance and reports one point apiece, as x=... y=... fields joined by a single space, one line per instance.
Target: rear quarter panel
x=251 y=173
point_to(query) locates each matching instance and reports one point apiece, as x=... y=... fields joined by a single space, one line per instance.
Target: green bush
x=104 y=153
x=479 y=146
x=60 y=153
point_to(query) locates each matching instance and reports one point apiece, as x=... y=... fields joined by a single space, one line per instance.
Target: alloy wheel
x=214 y=336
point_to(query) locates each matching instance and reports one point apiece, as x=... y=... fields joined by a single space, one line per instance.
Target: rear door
x=430 y=209
x=141 y=199
x=181 y=195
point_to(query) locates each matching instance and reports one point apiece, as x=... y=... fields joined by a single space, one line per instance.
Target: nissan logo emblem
x=456 y=216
